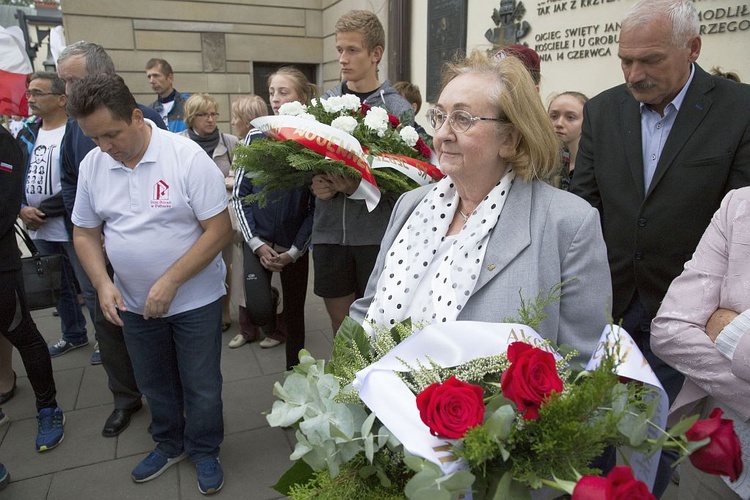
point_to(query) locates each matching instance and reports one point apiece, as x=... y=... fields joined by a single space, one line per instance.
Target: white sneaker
x=238 y=341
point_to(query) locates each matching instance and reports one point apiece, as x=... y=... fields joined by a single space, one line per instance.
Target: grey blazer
x=544 y=236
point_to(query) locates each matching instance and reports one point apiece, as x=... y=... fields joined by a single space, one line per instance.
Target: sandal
x=225 y=326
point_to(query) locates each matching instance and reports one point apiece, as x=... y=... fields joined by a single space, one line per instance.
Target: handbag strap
x=26 y=239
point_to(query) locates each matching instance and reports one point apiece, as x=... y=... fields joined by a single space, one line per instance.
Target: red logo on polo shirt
x=161 y=195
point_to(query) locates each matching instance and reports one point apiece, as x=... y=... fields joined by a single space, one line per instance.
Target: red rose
x=530 y=379
x=364 y=108
x=723 y=454
x=423 y=148
x=394 y=121
x=451 y=408
x=618 y=485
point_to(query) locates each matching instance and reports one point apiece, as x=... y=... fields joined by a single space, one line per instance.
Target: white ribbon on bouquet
x=454 y=343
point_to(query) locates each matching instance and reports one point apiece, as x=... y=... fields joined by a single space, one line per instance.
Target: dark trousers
x=177 y=360
x=636 y=320
x=115 y=357
x=294 y=285
x=18 y=327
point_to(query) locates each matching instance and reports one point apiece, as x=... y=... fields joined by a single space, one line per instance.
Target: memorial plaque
x=446 y=36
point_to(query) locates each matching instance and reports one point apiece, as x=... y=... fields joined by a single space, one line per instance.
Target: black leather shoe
x=6 y=396
x=118 y=421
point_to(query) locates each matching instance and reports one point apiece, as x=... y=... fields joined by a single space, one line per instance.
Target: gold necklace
x=464 y=216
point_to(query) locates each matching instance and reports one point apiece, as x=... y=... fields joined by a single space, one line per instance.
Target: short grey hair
x=682 y=14
x=96 y=58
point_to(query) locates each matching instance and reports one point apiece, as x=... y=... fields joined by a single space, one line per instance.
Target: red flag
x=14 y=66
x=12 y=98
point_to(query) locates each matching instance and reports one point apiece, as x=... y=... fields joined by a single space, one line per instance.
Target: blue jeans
x=72 y=320
x=177 y=366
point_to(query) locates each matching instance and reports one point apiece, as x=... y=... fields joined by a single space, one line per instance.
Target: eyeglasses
x=206 y=115
x=38 y=93
x=459 y=120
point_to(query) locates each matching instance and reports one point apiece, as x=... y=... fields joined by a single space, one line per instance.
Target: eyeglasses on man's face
x=207 y=115
x=38 y=93
x=458 y=119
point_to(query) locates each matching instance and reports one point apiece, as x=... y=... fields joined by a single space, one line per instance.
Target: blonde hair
x=198 y=103
x=513 y=92
x=301 y=85
x=249 y=107
x=365 y=22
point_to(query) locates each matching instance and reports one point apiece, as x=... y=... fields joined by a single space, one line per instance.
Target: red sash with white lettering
x=327 y=141
x=417 y=170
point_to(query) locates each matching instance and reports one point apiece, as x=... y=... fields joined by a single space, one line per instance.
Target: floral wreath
x=340 y=135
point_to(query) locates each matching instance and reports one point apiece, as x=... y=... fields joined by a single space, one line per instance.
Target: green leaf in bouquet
x=500 y=423
x=285 y=414
x=620 y=396
x=456 y=482
x=401 y=330
x=350 y=335
x=696 y=445
x=502 y=491
x=368 y=437
x=368 y=471
x=634 y=426
x=294 y=398
x=424 y=485
x=683 y=425
x=561 y=484
x=367 y=424
x=316 y=452
x=299 y=473
x=385 y=481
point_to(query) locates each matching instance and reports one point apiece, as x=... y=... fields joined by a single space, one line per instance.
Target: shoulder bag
x=41 y=275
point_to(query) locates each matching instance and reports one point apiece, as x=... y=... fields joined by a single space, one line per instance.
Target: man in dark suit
x=657 y=189
x=656 y=156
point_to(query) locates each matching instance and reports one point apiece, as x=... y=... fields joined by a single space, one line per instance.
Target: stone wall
x=210 y=44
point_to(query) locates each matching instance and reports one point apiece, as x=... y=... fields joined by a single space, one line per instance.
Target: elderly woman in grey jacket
x=491 y=232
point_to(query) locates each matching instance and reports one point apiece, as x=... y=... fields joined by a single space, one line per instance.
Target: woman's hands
x=272 y=260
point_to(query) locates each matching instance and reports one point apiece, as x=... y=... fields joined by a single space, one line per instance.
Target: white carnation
x=294 y=108
x=333 y=104
x=328 y=105
x=307 y=116
x=377 y=120
x=409 y=135
x=313 y=102
x=345 y=123
x=351 y=102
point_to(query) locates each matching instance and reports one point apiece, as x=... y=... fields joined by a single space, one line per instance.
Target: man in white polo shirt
x=160 y=203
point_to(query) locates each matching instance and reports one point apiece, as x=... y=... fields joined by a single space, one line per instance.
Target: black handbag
x=42 y=275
